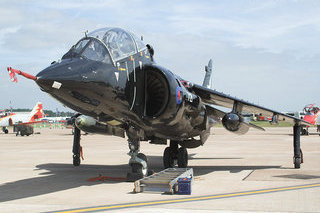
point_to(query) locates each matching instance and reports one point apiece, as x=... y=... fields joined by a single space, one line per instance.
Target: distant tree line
x=48 y=113
x=51 y=113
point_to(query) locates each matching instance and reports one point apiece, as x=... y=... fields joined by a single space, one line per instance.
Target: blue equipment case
x=184 y=186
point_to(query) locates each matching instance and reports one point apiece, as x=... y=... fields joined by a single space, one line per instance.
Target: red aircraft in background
x=22 y=120
x=312 y=115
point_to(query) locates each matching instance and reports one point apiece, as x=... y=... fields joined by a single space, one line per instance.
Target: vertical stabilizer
x=207 y=78
x=36 y=113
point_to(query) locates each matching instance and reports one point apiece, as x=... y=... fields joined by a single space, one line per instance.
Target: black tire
x=22 y=133
x=143 y=157
x=168 y=160
x=76 y=160
x=138 y=170
x=303 y=132
x=6 y=131
x=297 y=163
x=182 y=157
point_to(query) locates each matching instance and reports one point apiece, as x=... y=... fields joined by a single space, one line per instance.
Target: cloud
x=6 y=32
x=252 y=24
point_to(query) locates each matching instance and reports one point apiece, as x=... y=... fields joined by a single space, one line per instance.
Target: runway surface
x=253 y=172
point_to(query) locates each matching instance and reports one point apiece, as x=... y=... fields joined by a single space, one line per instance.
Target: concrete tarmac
x=37 y=175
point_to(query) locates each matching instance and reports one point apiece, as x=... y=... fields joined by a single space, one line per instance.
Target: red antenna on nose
x=12 y=73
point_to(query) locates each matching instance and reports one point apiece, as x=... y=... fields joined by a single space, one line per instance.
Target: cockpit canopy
x=311 y=109
x=107 y=45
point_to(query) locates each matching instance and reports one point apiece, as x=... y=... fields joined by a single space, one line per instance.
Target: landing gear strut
x=297 y=157
x=138 y=161
x=173 y=155
x=76 y=147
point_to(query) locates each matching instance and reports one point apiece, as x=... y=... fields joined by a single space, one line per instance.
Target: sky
x=266 y=52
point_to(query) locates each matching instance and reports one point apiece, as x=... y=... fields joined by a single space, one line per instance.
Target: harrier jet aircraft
x=110 y=77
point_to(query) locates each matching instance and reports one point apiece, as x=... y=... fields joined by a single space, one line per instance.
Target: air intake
x=157 y=93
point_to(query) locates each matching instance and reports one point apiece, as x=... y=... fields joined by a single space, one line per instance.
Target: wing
x=217 y=115
x=31 y=122
x=238 y=105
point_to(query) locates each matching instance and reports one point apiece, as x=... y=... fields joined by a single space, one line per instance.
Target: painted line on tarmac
x=190 y=199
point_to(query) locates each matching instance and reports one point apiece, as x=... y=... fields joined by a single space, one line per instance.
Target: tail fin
x=37 y=112
x=207 y=78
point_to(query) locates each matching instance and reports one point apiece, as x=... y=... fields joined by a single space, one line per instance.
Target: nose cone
x=78 y=83
x=49 y=79
x=55 y=76
x=45 y=80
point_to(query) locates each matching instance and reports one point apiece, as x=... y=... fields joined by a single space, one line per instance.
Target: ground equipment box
x=184 y=186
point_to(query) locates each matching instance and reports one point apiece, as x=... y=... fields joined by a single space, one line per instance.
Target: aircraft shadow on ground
x=58 y=177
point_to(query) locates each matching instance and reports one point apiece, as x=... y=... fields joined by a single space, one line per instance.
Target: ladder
x=164 y=181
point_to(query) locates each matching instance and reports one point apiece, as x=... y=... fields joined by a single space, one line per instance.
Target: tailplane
x=207 y=78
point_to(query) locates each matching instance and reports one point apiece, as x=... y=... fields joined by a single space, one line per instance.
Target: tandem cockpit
x=107 y=45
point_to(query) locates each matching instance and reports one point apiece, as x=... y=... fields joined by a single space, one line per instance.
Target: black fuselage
x=131 y=92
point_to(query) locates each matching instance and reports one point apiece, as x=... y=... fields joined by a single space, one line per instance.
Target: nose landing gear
x=138 y=161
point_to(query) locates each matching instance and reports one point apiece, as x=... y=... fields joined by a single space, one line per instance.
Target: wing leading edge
x=238 y=105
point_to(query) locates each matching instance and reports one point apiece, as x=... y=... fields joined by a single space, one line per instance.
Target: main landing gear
x=173 y=154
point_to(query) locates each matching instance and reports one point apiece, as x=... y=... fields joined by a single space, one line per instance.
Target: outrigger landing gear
x=298 y=157
x=304 y=131
x=76 y=147
x=173 y=155
x=138 y=161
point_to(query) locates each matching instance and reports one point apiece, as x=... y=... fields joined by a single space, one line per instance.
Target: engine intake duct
x=156 y=91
